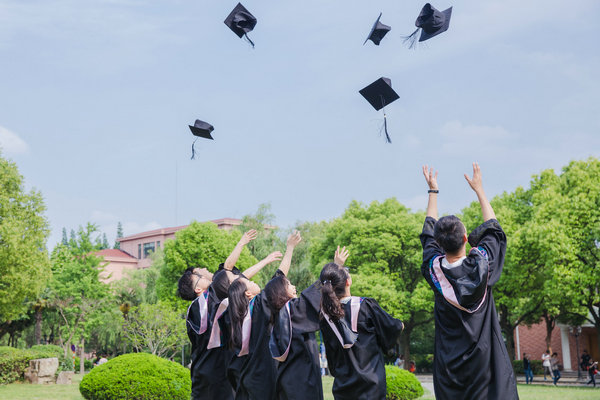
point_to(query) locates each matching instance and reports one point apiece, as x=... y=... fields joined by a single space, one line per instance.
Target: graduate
x=208 y=366
x=356 y=332
x=250 y=320
x=295 y=321
x=470 y=358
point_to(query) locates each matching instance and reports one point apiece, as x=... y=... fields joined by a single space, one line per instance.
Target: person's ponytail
x=237 y=309
x=333 y=287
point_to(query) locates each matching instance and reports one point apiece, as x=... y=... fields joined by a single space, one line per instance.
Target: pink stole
x=354 y=310
x=203 y=311
x=284 y=356
x=215 y=333
x=247 y=330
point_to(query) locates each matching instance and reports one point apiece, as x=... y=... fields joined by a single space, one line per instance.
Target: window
x=158 y=244
x=139 y=251
x=148 y=248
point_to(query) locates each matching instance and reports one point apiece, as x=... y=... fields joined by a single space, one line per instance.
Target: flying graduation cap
x=240 y=21
x=201 y=129
x=379 y=94
x=430 y=22
x=378 y=31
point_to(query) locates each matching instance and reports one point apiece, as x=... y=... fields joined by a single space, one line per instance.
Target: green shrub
x=424 y=362
x=14 y=362
x=87 y=364
x=138 y=376
x=536 y=367
x=401 y=384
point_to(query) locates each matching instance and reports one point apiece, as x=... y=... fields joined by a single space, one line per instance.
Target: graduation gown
x=470 y=359
x=299 y=376
x=209 y=366
x=359 y=370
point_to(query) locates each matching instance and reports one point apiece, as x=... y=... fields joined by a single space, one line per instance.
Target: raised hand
x=341 y=255
x=274 y=256
x=247 y=237
x=293 y=239
x=475 y=182
x=430 y=177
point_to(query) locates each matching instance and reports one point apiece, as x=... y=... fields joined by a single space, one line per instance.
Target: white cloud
x=11 y=143
x=131 y=228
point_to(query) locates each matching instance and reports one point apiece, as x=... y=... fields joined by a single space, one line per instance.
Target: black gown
x=470 y=358
x=359 y=371
x=208 y=369
x=299 y=376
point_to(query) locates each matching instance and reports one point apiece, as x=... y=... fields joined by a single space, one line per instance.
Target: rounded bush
x=138 y=376
x=14 y=362
x=401 y=384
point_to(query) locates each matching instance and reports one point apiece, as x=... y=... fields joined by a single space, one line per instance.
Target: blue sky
x=96 y=97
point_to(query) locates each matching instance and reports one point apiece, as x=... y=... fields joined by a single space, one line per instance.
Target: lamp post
x=576 y=331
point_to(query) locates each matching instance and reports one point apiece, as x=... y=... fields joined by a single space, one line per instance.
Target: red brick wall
x=532 y=340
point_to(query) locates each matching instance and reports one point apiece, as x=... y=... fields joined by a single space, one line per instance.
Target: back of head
x=276 y=293
x=333 y=287
x=449 y=232
x=185 y=286
x=237 y=309
x=220 y=284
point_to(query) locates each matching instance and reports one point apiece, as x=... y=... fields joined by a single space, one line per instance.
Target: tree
x=105 y=244
x=199 y=245
x=24 y=264
x=119 y=236
x=385 y=260
x=65 y=240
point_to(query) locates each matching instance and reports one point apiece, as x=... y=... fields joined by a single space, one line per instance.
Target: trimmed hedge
x=14 y=362
x=536 y=367
x=138 y=376
x=401 y=384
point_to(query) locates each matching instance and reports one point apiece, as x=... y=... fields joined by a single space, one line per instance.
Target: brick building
x=565 y=341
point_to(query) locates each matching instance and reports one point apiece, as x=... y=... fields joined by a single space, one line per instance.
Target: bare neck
x=456 y=256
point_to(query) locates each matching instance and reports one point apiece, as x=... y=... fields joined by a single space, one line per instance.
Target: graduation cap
x=202 y=130
x=241 y=21
x=430 y=22
x=379 y=94
x=377 y=32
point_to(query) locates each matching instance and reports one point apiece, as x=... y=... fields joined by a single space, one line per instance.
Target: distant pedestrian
x=399 y=361
x=546 y=364
x=412 y=367
x=323 y=362
x=592 y=370
x=585 y=360
x=527 y=369
x=555 y=367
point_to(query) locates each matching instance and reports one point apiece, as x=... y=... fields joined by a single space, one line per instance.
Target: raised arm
x=250 y=272
x=247 y=237
x=486 y=208
x=431 y=178
x=292 y=242
x=341 y=255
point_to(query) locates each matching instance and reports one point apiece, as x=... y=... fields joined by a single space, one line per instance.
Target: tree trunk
x=550 y=323
x=405 y=344
x=509 y=332
x=38 y=325
x=81 y=359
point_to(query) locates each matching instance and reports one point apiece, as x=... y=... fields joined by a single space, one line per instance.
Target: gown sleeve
x=430 y=247
x=490 y=237
x=386 y=327
x=306 y=308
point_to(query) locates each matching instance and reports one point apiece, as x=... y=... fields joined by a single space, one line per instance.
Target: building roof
x=114 y=254
x=168 y=231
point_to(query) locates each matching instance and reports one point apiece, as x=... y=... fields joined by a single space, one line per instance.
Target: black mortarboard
x=378 y=31
x=379 y=94
x=201 y=129
x=240 y=21
x=430 y=22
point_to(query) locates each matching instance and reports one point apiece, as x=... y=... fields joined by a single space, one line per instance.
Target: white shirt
x=447 y=265
x=546 y=359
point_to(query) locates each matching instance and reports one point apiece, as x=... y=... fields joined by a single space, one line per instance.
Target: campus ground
x=20 y=391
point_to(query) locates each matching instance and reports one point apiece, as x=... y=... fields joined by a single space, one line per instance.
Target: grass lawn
x=24 y=391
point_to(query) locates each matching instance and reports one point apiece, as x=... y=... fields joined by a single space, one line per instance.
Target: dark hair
x=555 y=354
x=220 y=284
x=237 y=309
x=276 y=294
x=448 y=232
x=185 y=286
x=333 y=286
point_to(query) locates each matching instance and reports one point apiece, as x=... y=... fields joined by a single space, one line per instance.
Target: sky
x=96 y=97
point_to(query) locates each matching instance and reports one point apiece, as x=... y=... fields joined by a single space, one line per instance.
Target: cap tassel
x=248 y=39
x=387 y=136
x=411 y=39
x=193 y=151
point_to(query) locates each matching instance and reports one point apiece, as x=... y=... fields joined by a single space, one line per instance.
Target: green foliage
x=199 y=245
x=401 y=384
x=24 y=265
x=424 y=363
x=137 y=376
x=14 y=362
x=155 y=328
x=87 y=364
